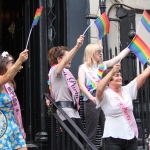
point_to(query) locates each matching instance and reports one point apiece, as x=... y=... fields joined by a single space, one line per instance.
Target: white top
x=88 y=80
x=116 y=125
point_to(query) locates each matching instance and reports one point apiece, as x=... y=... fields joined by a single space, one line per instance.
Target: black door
x=17 y=17
x=12 y=41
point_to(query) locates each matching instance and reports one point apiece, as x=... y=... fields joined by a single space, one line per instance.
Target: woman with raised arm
x=120 y=130
x=89 y=75
x=63 y=86
x=12 y=134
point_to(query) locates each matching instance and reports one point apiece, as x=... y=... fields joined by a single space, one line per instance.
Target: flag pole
x=28 y=38
x=88 y=27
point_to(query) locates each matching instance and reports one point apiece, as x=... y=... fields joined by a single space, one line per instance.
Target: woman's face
x=98 y=55
x=9 y=63
x=116 y=80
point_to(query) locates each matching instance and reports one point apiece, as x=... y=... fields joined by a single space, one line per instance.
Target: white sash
x=91 y=74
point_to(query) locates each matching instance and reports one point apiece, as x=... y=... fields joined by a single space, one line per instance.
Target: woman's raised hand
x=116 y=68
x=80 y=41
x=23 y=56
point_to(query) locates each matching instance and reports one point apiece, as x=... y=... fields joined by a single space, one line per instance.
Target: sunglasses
x=11 y=60
x=100 y=51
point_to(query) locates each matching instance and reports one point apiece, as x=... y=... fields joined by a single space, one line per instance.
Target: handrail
x=68 y=130
x=86 y=139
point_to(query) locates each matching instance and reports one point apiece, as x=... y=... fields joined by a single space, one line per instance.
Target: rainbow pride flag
x=37 y=16
x=140 y=49
x=101 y=70
x=103 y=25
x=146 y=20
x=91 y=86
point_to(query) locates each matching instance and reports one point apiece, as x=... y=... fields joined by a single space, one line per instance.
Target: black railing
x=62 y=138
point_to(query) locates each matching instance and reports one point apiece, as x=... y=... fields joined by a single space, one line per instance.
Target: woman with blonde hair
x=89 y=75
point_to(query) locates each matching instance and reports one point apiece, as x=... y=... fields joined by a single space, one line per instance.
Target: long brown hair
x=56 y=52
x=3 y=69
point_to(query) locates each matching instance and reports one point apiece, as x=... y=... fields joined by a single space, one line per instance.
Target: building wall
x=76 y=24
x=114 y=34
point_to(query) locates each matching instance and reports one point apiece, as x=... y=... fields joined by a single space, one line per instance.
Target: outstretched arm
x=66 y=59
x=142 y=77
x=11 y=72
x=104 y=82
x=116 y=59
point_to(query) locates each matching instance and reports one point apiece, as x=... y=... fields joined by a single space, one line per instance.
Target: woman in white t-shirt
x=90 y=72
x=120 y=130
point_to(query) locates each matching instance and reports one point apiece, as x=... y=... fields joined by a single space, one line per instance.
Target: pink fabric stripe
x=16 y=106
x=91 y=75
x=127 y=114
x=72 y=85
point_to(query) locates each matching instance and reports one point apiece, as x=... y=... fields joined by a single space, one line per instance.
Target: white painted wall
x=94 y=9
x=140 y=4
x=114 y=35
